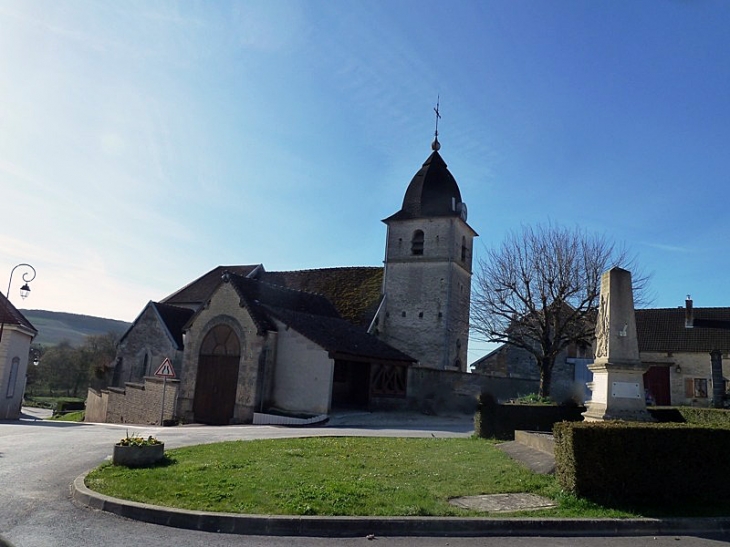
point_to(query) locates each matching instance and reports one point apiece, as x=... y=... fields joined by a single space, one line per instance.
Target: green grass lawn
x=77 y=416
x=335 y=476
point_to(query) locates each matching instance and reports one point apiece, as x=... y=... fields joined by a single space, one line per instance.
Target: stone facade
x=689 y=375
x=516 y=365
x=136 y=403
x=224 y=308
x=428 y=265
x=144 y=347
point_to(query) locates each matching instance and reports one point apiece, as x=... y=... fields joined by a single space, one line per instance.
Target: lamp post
x=28 y=276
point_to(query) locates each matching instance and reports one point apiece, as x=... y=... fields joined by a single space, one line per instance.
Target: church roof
x=354 y=291
x=174 y=319
x=198 y=291
x=663 y=330
x=10 y=315
x=256 y=294
x=433 y=192
x=341 y=339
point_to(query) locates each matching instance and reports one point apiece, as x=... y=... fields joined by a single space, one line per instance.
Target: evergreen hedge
x=660 y=463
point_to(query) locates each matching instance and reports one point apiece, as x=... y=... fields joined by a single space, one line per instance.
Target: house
x=678 y=360
x=16 y=334
x=241 y=340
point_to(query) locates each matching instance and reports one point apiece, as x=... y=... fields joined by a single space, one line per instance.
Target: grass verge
x=335 y=476
x=76 y=416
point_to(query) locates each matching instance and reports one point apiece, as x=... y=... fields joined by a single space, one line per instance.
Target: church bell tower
x=428 y=268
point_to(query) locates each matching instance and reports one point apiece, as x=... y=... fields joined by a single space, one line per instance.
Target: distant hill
x=54 y=327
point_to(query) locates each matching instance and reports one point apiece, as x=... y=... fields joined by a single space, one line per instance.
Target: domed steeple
x=433 y=191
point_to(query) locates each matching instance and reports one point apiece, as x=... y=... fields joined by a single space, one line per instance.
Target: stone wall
x=96 y=405
x=425 y=313
x=224 y=308
x=436 y=391
x=136 y=403
x=144 y=347
x=693 y=377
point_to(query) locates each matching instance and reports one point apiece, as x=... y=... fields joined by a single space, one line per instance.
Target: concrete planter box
x=138 y=456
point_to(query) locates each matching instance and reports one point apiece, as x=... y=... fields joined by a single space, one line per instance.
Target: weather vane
x=436 y=144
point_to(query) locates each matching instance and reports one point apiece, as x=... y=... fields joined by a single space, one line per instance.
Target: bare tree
x=539 y=291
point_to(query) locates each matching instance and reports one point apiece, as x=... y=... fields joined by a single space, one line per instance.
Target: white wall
x=15 y=343
x=303 y=374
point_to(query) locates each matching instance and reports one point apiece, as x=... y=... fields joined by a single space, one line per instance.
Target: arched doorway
x=215 y=388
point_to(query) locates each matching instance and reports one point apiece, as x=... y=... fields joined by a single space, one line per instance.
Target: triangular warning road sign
x=165 y=370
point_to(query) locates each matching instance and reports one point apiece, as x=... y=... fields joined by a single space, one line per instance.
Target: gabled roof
x=174 y=319
x=433 y=192
x=341 y=339
x=663 y=330
x=198 y=291
x=255 y=294
x=10 y=315
x=354 y=291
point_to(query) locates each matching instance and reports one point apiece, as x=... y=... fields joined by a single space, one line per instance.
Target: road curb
x=275 y=525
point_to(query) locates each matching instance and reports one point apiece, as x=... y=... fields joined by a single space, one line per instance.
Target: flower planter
x=138 y=456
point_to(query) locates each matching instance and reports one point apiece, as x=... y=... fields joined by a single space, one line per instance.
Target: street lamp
x=28 y=276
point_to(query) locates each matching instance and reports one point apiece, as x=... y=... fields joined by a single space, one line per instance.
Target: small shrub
x=533 y=399
x=136 y=440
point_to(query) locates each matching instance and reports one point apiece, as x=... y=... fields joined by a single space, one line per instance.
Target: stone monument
x=618 y=383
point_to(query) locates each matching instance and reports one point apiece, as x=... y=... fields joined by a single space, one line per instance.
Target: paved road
x=39 y=460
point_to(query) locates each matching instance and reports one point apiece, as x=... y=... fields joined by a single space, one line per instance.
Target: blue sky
x=144 y=143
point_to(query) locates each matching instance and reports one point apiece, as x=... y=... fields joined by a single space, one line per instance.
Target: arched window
x=417 y=243
x=13 y=377
x=221 y=340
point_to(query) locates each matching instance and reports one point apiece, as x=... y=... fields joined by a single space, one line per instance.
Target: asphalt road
x=40 y=459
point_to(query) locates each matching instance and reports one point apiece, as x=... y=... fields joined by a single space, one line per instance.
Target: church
x=241 y=342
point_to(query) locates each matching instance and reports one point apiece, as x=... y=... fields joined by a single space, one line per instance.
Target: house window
x=417 y=243
x=463 y=249
x=696 y=388
x=13 y=377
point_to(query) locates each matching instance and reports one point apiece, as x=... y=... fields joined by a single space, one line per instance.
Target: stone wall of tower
x=426 y=308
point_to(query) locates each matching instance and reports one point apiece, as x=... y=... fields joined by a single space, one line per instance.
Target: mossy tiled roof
x=354 y=291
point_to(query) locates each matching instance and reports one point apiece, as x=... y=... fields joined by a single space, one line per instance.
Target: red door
x=656 y=382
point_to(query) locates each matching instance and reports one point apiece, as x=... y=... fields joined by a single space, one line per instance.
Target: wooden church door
x=217 y=380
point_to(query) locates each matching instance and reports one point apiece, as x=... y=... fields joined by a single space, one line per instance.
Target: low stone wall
x=96 y=403
x=434 y=391
x=136 y=403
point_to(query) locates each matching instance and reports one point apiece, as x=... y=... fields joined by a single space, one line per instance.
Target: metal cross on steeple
x=436 y=145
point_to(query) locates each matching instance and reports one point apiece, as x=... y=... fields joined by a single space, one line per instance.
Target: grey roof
x=341 y=339
x=199 y=291
x=313 y=316
x=663 y=330
x=256 y=294
x=433 y=192
x=10 y=315
x=174 y=319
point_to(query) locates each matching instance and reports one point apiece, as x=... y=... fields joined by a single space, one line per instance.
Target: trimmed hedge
x=664 y=464
x=493 y=420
